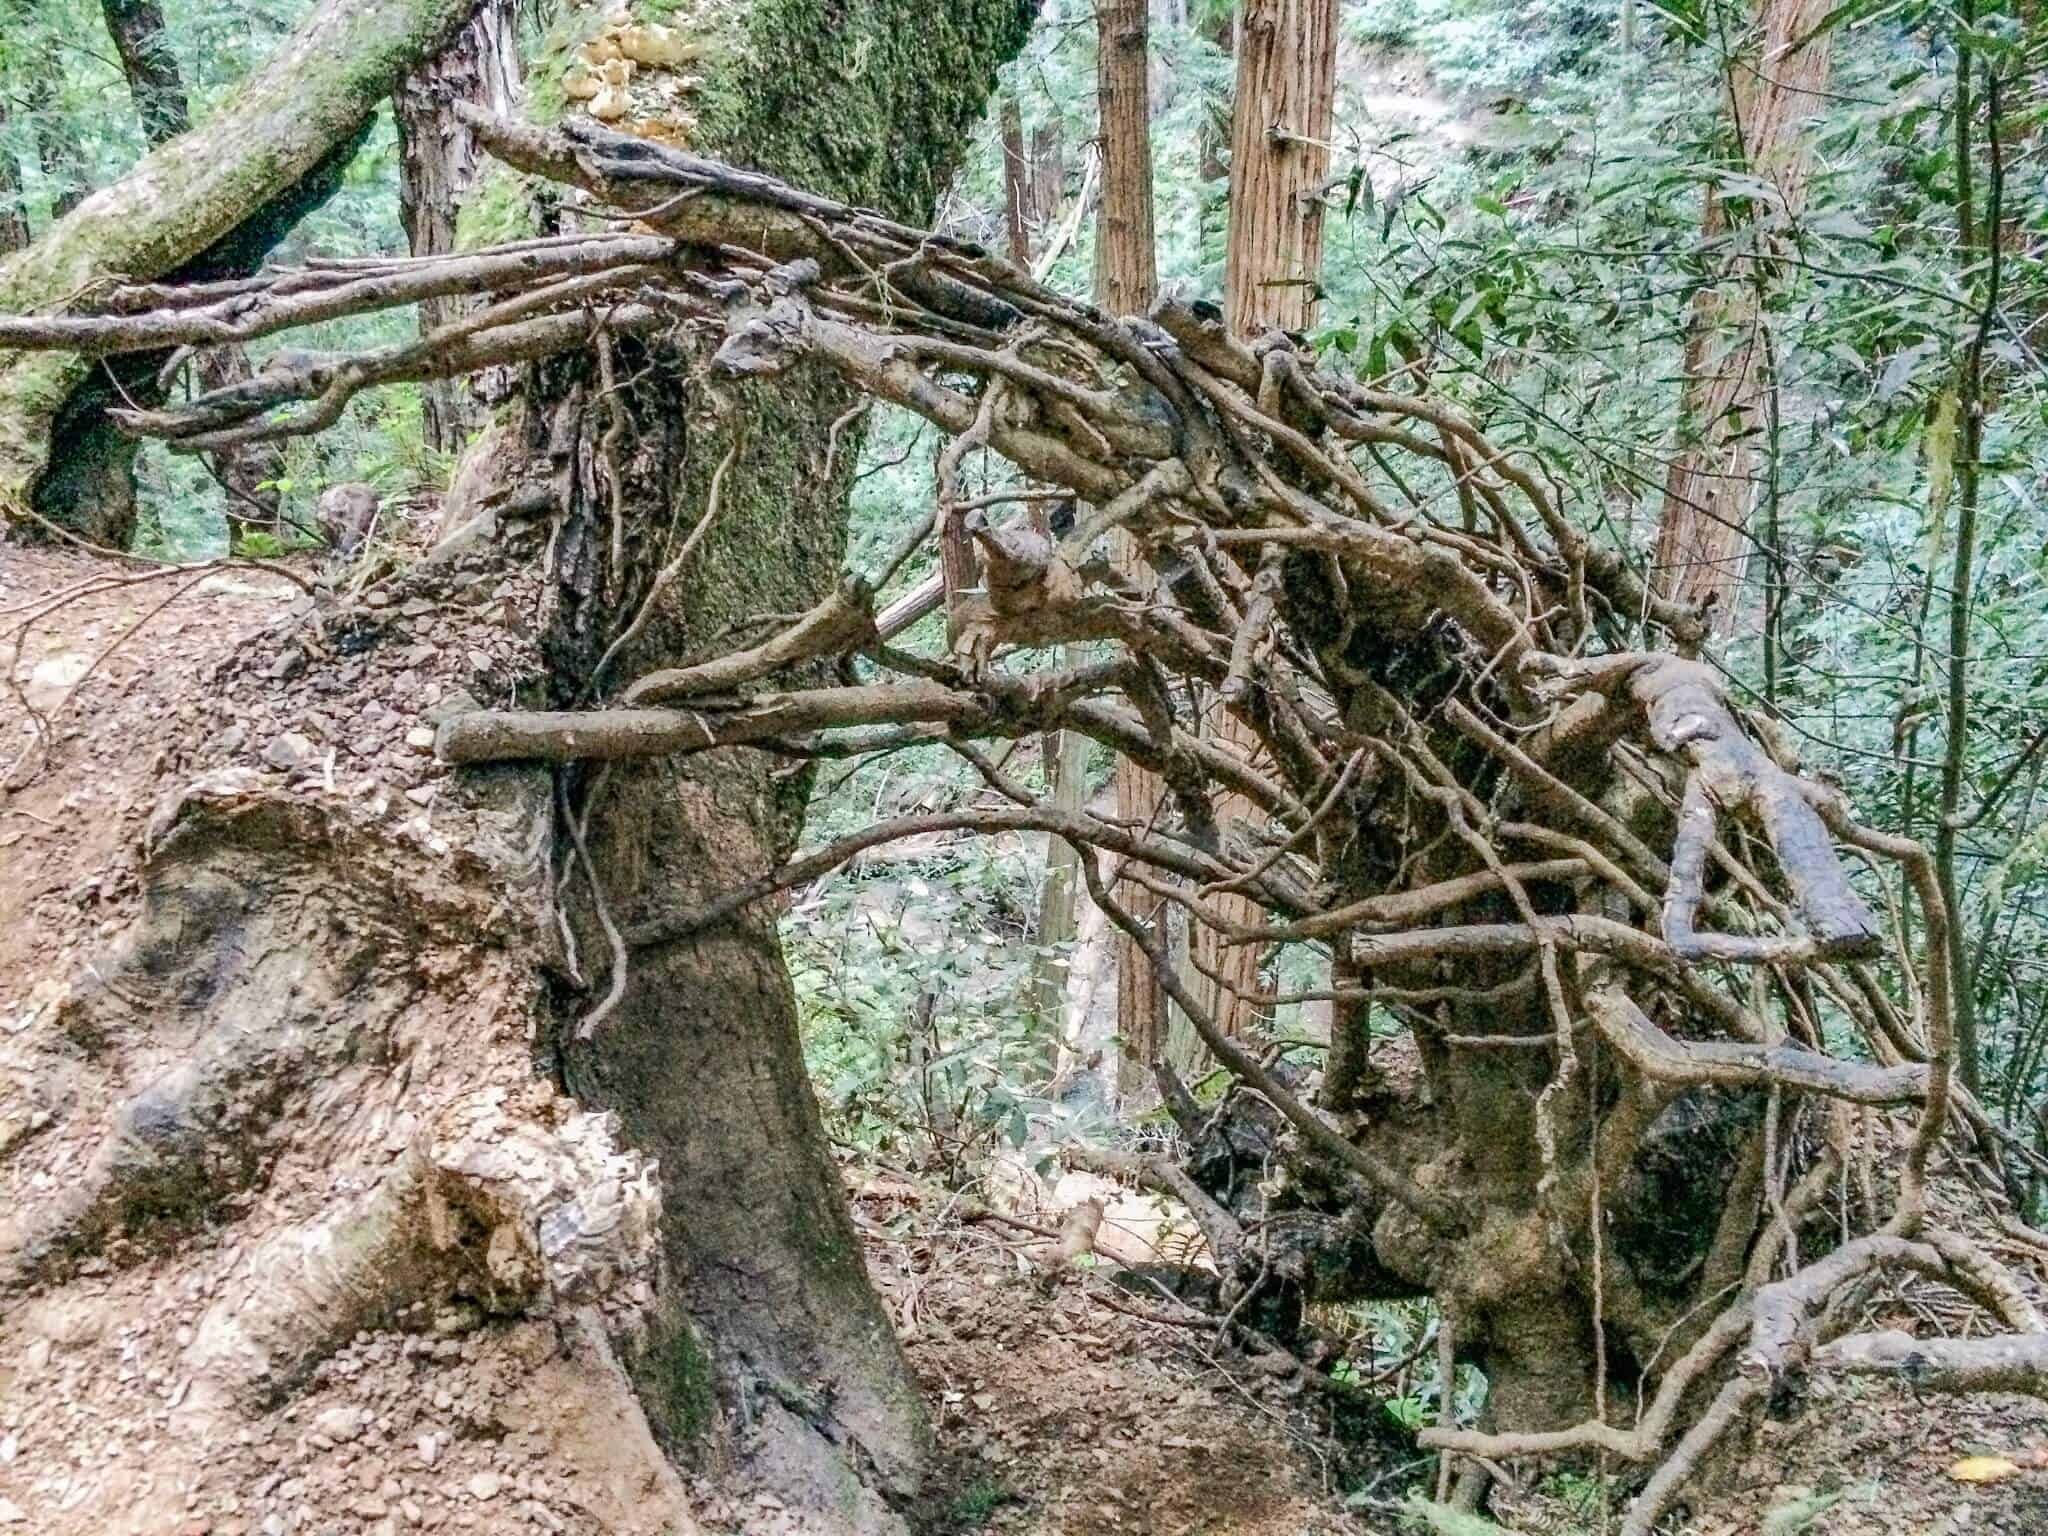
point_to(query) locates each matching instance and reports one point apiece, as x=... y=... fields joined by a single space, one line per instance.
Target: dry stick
x=840 y=622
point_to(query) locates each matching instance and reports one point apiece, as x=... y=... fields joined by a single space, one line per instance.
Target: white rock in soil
x=339 y=1424
x=485 y=1485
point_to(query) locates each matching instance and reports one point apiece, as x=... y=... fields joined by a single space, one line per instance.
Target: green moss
x=830 y=95
x=500 y=207
x=680 y=1382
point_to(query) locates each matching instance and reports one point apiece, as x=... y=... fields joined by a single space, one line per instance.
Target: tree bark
x=1126 y=282
x=247 y=474
x=137 y=28
x=1703 y=541
x=1016 y=182
x=208 y=203
x=1279 y=158
x=440 y=164
x=773 y=1354
x=13 y=212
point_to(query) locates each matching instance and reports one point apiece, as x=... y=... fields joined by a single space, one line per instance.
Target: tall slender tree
x=1126 y=282
x=1016 y=181
x=1703 y=538
x=13 y=212
x=1279 y=159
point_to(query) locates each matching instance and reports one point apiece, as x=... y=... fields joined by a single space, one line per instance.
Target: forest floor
x=1061 y=1409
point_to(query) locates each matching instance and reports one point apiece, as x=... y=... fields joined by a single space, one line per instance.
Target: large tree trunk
x=206 y=204
x=1279 y=158
x=1703 y=537
x=770 y=1349
x=751 y=1335
x=440 y=164
x=1126 y=282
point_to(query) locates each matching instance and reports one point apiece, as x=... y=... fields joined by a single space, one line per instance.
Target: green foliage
x=914 y=984
x=975 y=1505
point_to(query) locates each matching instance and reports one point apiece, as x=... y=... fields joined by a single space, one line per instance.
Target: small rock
x=377 y=598
x=11 y=1513
x=485 y=1485
x=288 y=751
x=340 y=1425
x=420 y=738
x=430 y=1452
x=460 y=702
x=421 y=794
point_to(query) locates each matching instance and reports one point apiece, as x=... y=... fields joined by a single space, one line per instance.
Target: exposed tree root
x=512 y=1207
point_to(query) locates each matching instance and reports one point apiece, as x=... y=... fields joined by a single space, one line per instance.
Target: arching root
x=512 y=1206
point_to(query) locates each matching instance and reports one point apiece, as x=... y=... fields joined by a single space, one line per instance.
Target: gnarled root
x=512 y=1207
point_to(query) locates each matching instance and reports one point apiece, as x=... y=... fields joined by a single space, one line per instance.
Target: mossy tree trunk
x=773 y=1352
x=205 y=204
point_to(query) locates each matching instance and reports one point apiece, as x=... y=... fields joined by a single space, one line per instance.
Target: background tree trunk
x=1703 y=540
x=13 y=213
x=247 y=474
x=137 y=28
x=1126 y=282
x=439 y=166
x=1279 y=159
x=208 y=203
x=1016 y=182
